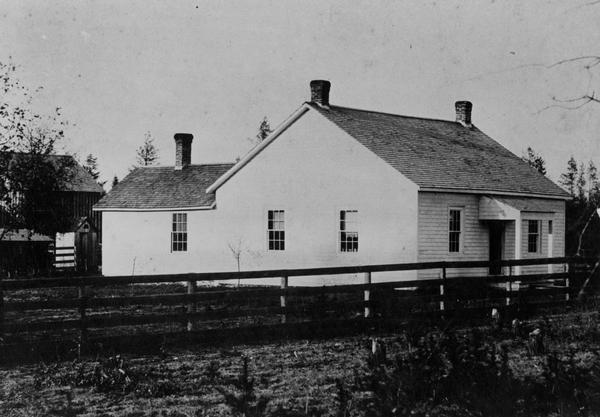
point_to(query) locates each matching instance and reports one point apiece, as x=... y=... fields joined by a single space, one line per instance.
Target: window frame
x=537 y=234
x=280 y=242
x=459 y=232
x=179 y=237
x=343 y=243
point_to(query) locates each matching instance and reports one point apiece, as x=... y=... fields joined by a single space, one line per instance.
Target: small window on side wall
x=349 y=230
x=179 y=233
x=276 y=229
x=533 y=236
x=454 y=230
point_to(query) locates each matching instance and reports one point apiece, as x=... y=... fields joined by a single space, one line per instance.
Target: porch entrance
x=496 y=241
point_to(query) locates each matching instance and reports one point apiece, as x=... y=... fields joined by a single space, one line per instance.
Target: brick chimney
x=463 y=112
x=319 y=92
x=183 y=150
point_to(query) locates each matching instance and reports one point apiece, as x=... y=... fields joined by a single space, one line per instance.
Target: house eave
x=195 y=208
x=493 y=192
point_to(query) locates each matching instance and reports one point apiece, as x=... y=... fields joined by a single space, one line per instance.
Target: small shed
x=77 y=248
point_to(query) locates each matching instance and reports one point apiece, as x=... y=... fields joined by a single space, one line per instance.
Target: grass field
x=327 y=377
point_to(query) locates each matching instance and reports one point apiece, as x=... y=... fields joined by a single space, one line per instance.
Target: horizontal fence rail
x=93 y=303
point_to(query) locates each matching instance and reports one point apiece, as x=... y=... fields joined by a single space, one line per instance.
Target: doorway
x=496 y=237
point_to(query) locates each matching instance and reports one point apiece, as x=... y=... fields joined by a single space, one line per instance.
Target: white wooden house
x=335 y=186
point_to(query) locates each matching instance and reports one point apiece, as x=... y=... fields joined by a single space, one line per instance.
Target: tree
x=568 y=179
x=264 y=130
x=581 y=190
x=593 y=183
x=91 y=166
x=115 y=181
x=535 y=160
x=31 y=176
x=147 y=154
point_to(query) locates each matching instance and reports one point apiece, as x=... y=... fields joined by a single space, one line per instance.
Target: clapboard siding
x=556 y=213
x=433 y=231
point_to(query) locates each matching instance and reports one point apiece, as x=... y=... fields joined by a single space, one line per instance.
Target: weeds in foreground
x=111 y=376
x=446 y=374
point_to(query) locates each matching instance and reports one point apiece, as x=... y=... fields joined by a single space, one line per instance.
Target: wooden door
x=496 y=238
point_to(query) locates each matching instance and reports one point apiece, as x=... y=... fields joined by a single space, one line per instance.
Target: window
x=179 y=233
x=533 y=236
x=276 y=229
x=549 y=227
x=349 y=230
x=454 y=230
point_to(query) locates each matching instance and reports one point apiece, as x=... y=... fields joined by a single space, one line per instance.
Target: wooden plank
x=71 y=248
x=258 y=294
x=115 y=320
x=213 y=276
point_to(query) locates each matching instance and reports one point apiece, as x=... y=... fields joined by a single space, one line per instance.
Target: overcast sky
x=216 y=68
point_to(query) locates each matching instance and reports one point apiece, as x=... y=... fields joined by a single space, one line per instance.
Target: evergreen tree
x=568 y=179
x=264 y=130
x=91 y=166
x=535 y=160
x=593 y=183
x=147 y=154
x=581 y=190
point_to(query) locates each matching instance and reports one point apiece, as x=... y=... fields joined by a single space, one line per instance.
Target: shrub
x=242 y=400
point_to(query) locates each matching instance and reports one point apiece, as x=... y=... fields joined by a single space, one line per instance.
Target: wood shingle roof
x=164 y=187
x=438 y=154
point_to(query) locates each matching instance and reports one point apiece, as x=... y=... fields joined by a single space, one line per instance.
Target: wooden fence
x=84 y=304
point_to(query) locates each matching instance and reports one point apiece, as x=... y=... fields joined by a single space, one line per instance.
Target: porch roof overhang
x=496 y=208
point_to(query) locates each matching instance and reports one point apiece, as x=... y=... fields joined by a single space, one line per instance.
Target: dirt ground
x=296 y=378
x=297 y=375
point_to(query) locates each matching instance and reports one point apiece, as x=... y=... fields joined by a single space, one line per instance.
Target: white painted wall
x=312 y=171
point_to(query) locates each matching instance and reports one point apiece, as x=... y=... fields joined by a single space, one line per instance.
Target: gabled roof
x=81 y=180
x=438 y=154
x=155 y=188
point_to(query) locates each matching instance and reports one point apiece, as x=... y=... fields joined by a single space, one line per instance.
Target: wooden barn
x=337 y=186
x=77 y=248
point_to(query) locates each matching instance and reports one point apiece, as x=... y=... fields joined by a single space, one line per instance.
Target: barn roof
x=80 y=181
x=151 y=188
x=439 y=154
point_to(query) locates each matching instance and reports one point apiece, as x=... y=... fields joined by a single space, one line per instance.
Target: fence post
x=443 y=290
x=1 y=307
x=509 y=288
x=367 y=298
x=191 y=307
x=283 y=298
x=567 y=283
x=82 y=296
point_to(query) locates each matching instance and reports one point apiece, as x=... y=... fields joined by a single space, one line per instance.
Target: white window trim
x=461 y=236
x=338 y=232
x=539 y=235
x=187 y=233
x=265 y=228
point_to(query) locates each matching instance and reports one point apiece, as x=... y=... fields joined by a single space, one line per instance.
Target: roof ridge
x=385 y=113
x=190 y=165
